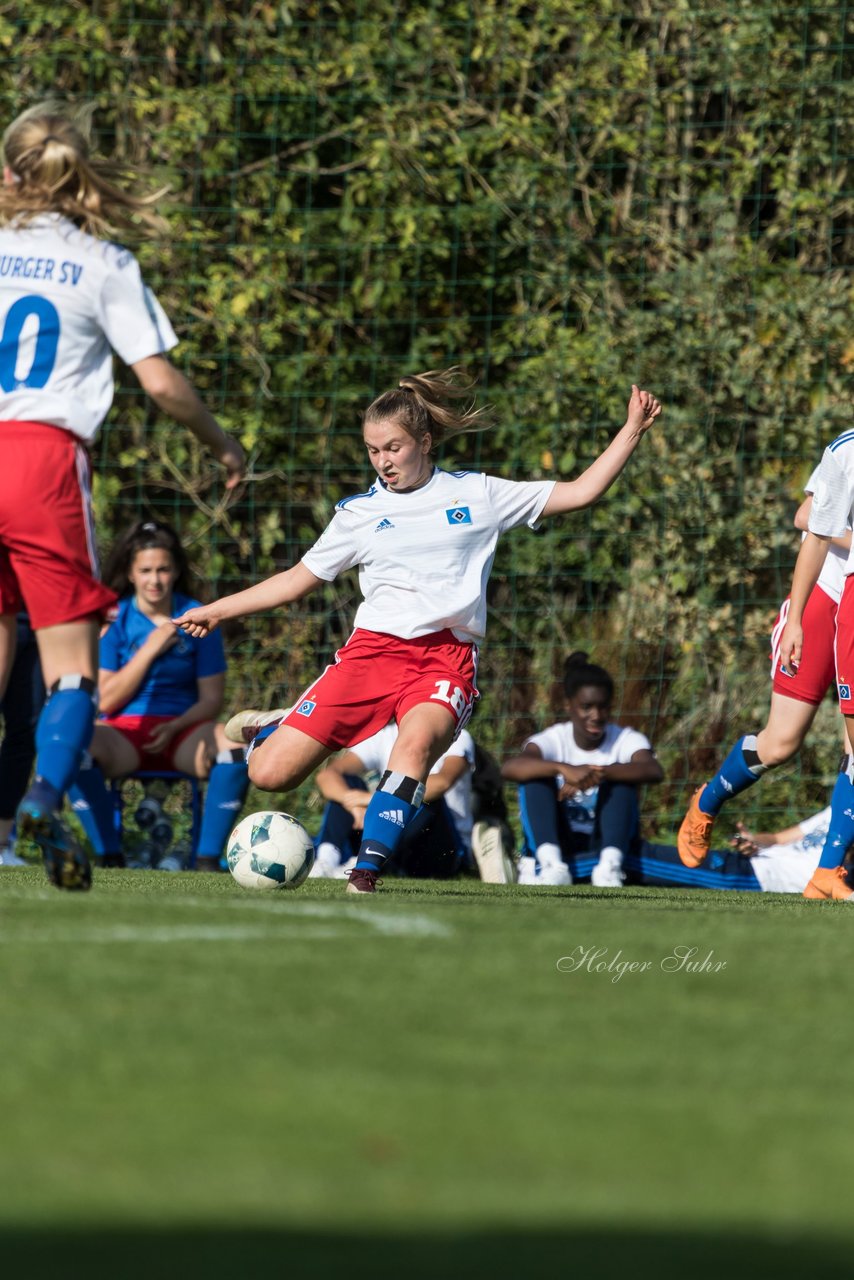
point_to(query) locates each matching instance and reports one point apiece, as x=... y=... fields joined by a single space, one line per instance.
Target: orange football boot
x=695 y=834
x=829 y=882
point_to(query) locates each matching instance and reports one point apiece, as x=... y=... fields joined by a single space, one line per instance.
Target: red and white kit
x=831 y=516
x=67 y=301
x=817 y=669
x=424 y=558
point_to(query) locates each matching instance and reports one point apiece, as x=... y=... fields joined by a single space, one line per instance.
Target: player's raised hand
x=198 y=622
x=643 y=409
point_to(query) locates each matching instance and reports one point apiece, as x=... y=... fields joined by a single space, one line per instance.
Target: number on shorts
x=47 y=340
x=443 y=694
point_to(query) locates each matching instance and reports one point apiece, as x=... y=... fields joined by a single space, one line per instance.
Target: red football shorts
x=377 y=678
x=138 y=729
x=845 y=649
x=48 y=561
x=816 y=673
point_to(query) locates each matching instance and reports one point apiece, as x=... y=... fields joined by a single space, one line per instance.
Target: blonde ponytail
x=419 y=405
x=47 y=150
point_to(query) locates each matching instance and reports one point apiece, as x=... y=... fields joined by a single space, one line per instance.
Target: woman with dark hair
x=424 y=540
x=69 y=298
x=161 y=692
x=578 y=786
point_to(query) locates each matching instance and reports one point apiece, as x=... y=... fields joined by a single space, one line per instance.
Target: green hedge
x=563 y=197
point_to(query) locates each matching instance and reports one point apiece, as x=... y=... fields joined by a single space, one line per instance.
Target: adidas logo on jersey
x=383 y=524
x=393 y=815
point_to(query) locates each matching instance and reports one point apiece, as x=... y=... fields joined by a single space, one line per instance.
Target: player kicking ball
x=424 y=540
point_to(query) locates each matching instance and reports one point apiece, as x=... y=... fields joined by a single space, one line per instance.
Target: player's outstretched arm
x=808 y=566
x=572 y=495
x=282 y=588
x=172 y=393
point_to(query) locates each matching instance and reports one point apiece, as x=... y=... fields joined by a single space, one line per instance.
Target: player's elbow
x=158 y=378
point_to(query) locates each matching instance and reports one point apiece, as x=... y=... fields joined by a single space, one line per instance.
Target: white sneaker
x=8 y=857
x=608 y=872
x=527 y=871
x=553 y=869
x=556 y=873
x=244 y=725
x=494 y=862
x=327 y=862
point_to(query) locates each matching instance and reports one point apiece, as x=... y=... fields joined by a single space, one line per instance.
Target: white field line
x=338 y=918
x=158 y=935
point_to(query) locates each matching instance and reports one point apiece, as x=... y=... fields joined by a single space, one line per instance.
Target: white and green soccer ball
x=269 y=850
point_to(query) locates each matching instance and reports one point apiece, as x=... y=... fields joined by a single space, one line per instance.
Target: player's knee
x=268 y=774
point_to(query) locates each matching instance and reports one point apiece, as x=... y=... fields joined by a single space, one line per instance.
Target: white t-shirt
x=67 y=301
x=833 y=495
x=618 y=746
x=832 y=576
x=424 y=557
x=375 y=751
x=787 y=868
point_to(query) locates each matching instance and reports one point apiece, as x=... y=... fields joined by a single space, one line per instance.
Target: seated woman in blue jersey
x=161 y=692
x=578 y=786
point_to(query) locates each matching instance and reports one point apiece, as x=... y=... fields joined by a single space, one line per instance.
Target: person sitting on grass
x=763 y=861
x=579 y=783
x=161 y=692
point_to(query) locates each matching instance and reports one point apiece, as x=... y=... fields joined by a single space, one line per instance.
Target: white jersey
x=557 y=743
x=788 y=868
x=833 y=496
x=424 y=557
x=67 y=301
x=375 y=751
x=832 y=576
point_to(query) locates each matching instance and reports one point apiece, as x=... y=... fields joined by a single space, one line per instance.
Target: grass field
x=197 y=1080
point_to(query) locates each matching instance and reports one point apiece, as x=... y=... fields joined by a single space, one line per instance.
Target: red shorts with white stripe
x=48 y=561
x=377 y=678
x=817 y=671
x=845 y=649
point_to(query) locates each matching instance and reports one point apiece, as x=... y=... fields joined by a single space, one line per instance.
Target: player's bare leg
x=285 y=759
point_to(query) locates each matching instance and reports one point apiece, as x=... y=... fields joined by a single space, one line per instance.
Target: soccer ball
x=269 y=850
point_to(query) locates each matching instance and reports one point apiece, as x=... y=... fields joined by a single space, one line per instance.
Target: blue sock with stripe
x=840 y=833
x=392 y=807
x=64 y=731
x=739 y=771
x=93 y=807
x=226 y=791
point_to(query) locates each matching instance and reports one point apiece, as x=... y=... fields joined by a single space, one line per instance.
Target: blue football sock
x=392 y=806
x=93 y=806
x=739 y=771
x=64 y=730
x=840 y=833
x=226 y=791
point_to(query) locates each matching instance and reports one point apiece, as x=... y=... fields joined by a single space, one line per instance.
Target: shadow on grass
x=621 y=1254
